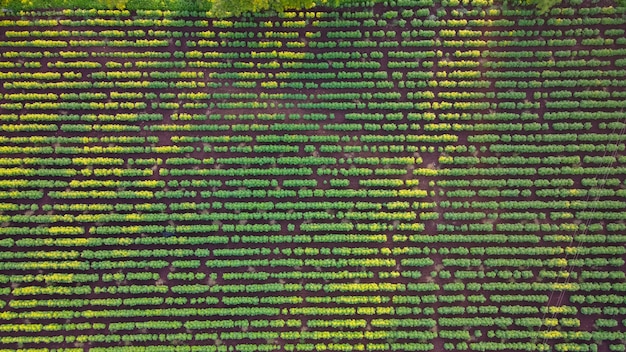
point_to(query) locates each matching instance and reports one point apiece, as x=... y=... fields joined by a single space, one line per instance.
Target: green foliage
x=224 y=8
x=220 y=8
x=277 y=175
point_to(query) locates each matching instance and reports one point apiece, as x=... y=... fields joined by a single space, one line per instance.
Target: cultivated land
x=408 y=177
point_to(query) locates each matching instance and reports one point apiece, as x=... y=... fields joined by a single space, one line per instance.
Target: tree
x=114 y=4
x=542 y=6
x=223 y=8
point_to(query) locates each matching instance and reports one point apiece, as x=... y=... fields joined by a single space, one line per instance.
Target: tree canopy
x=237 y=7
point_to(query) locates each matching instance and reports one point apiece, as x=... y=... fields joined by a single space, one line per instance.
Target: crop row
x=380 y=178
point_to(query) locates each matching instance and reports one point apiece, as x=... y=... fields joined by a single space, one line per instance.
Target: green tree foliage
x=223 y=8
x=542 y=6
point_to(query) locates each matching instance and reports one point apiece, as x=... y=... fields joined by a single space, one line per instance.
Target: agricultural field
x=401 y=176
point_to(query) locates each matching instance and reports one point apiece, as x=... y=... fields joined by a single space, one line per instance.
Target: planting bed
x=412 y=176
